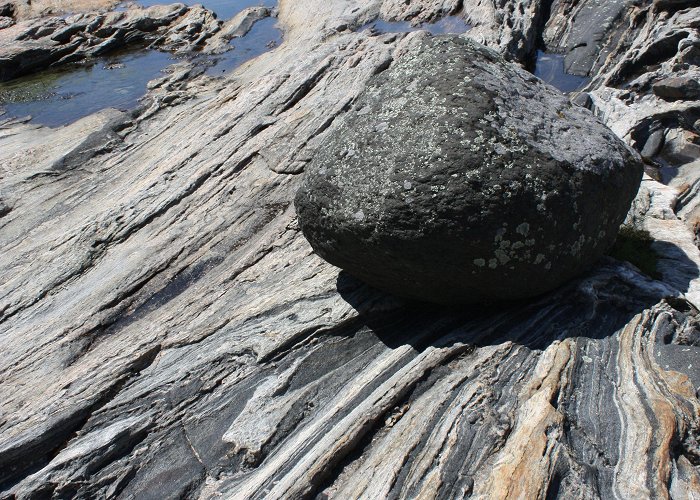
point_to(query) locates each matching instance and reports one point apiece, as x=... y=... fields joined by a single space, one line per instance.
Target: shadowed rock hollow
x=459 y=177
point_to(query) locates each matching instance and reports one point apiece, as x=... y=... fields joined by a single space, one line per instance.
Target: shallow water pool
x=62 y=96
x=550 y=68
x=263 y=36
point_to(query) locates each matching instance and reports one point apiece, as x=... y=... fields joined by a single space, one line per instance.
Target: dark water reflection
x=550 y=68
x=263 y=36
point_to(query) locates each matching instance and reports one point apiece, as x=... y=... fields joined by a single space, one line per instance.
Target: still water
x=59 y=97
x=62 y=96
x=263 y=36
x=550 y=68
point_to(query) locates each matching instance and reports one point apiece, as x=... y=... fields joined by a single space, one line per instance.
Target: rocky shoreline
x=169 y=333
x=37 y=44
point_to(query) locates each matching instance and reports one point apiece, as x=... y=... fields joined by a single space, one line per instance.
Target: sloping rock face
x=679 y=88
x=585 y=31
x=167 y=331
x=461 y=178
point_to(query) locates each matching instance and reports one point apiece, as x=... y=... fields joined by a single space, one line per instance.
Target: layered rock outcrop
x=167 y=331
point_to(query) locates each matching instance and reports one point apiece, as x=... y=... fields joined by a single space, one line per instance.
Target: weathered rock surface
x=7 y=10
x=510 y=27
x=461 y=178
x=7 y=15
x=658 y=45
x=167 y=332
x=30 y=46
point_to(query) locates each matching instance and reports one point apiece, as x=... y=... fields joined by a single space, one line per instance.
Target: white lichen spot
x=523 y=229
x=359 y=216
x=407 y=184
x=502 y=256
x=539 y=258
x=493 y=263
x=479 y=262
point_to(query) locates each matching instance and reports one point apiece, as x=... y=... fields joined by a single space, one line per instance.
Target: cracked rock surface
x=167 y=331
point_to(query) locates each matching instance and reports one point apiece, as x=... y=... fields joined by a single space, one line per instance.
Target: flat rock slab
x=685 y=88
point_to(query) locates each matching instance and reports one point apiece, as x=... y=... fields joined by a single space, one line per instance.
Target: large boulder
x=459 y=177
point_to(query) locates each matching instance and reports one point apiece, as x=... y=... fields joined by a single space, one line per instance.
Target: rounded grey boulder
x=458 y=177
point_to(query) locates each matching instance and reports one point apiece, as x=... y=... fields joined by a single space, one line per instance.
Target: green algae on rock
x=459 y=177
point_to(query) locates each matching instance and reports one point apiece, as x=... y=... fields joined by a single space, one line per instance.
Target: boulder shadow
x=596 y=305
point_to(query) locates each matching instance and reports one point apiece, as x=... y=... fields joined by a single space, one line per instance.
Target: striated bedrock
x=167 y=332
x=461 y=178
x=34 y=45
